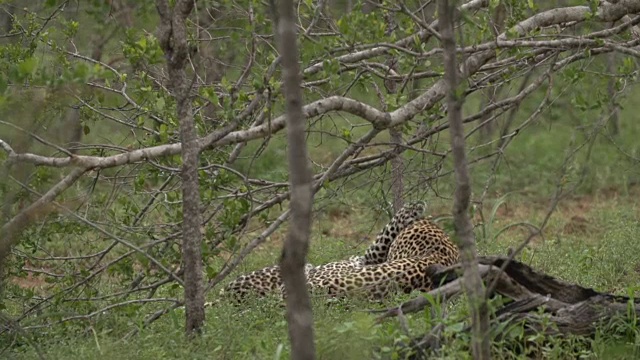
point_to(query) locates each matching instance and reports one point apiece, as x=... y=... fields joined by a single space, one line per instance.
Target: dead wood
x=539 y=302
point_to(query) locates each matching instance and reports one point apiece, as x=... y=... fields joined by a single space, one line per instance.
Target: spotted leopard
x=424 y=238
x=404 y=218
x=259 y=282
x=415 y=249
x=375 y=282
x=267 y=280
x=353 y=262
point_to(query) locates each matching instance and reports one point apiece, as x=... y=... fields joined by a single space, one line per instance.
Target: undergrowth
x=591 y=239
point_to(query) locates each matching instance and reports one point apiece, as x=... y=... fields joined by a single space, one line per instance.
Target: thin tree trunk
x=397 y=167
x=6 y=22
x=462 y=198
x=173 y=39
x=496 y=23
x=395 y=135
x=299 y=315
x=614 y=110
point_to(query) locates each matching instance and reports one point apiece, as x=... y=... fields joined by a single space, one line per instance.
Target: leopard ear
x=421 y=205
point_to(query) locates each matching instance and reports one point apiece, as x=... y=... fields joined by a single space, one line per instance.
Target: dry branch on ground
x=570 y=308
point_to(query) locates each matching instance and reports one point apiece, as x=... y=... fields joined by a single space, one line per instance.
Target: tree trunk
x=397 y=168
x=614 y=109
x=173 y=39
x=395 y=135
x=294 y=252
x=462 y=198
x=491 y=93
x=6 y=21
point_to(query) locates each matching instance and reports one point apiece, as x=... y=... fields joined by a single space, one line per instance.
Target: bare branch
x=422 y=35
x=10 y=230
x=379 y=119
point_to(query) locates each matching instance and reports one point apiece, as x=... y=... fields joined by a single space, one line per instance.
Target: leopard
x=404 y=218
x=419 y=246
x=423 y=238
x=259 y=282
x=268 y=280
x=353 y=262
x=374 y=282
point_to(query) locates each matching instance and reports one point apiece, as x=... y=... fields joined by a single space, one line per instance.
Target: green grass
x=601 y=258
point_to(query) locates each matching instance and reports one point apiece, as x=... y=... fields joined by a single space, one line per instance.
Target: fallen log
x=537 y=301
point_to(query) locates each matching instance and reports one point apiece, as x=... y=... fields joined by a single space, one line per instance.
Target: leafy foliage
x=104 y=256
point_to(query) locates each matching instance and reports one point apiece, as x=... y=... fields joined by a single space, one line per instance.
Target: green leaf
x=257 y=83
x=211 y=272
x=139 y=182
x=27 y=67
x=231 y=242
x=160 y=103
x=344 y=26
x=346 y=133
x=457 y=327
x=164 y=132
x=86 y=129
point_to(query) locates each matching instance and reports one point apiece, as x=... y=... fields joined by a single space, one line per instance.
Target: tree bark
x=614 y=109
x=395 y=133
x=173 y=39
x=463 y=228
x=6 y=19
x=397 y=169
x=294 y=252
x=496 y=23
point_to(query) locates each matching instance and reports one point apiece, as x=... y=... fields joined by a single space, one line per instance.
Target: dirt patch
x=344 y=228
x=614 y=192
x=576 y=225
x=336 y=213
x=31 y=281
x=572 y=217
